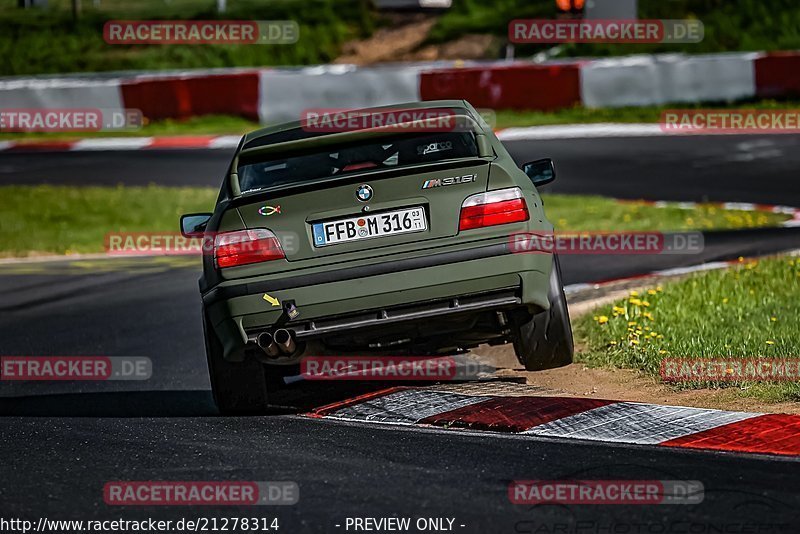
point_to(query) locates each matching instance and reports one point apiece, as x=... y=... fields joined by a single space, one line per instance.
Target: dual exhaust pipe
x=281 y=343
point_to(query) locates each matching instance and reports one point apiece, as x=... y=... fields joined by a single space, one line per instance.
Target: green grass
x=747 y=311
x=592 y=213
x=730 y=25
x=39 y=41
x=68 y=220
x=64 y=219
x=646 y=114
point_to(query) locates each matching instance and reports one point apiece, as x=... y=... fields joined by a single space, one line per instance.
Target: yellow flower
x=647 y=315
x=653 y=334
x=635 y=302
x=659 y=289
x=634 y=342
x=634 y=293
x=602 y=319
x=645 y=304
x=773 y=319
x=651 y=291
x=612 y=342
x=632 y=323
x=725 y=301
x=662 y=352
x=770 y=342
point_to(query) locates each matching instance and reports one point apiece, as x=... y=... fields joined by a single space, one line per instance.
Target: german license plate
x=369 y=226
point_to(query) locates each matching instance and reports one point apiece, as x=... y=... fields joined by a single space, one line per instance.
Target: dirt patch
x=403 y=40
x=579 y=380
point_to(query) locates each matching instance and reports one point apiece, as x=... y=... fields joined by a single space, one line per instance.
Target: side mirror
x=194 y=224
x=541 y=171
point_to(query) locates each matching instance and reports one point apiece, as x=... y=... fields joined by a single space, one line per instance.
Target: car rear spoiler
x=291 y=147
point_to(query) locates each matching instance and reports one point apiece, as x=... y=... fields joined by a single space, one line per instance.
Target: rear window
x=390 y=153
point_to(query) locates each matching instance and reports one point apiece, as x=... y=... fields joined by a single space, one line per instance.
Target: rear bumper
x=388 y=292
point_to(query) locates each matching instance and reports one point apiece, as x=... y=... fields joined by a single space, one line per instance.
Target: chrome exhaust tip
x=266 y=343
x=285 y=342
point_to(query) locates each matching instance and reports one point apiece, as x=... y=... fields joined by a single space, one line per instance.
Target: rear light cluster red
x=492 y=208
x=244 y=247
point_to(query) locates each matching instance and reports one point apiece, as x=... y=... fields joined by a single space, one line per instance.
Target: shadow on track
x=297 y=398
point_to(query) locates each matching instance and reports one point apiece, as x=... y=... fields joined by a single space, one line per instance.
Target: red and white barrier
x=516 y=86
x=277 y=95
x=594 y=420
x=285 y=94
x=669 y=78
x=191 y=95
x=778 y=75
x=60 y=93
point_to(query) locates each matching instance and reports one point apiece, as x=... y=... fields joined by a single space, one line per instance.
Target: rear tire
x=545 y=341
x=238 y=387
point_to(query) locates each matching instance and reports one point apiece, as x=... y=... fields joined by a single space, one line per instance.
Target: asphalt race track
x=66 y=442
x=735 y=168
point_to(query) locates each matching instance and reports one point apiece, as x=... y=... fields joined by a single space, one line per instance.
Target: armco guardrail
x=275 y=95
x=668 y=78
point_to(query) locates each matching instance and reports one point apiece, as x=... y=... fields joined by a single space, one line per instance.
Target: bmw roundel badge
x=364 y=193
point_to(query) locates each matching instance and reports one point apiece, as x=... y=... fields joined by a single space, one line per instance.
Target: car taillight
x=492 y=208
x=246 y=246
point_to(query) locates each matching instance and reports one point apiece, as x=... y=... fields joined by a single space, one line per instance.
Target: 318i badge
x=454 y=180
